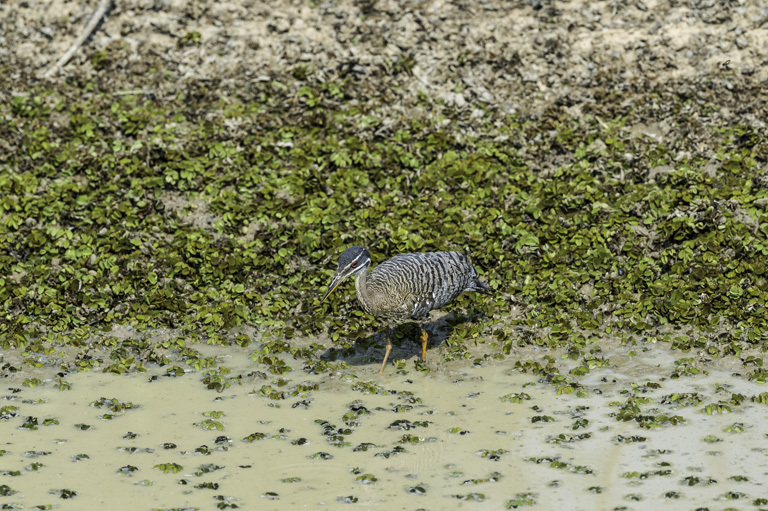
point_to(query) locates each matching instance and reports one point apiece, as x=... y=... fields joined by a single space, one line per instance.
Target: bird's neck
x=361 y=286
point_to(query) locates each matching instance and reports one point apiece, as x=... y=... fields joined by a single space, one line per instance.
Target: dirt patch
x=505 y=55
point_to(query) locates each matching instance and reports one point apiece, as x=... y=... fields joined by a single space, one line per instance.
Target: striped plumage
x=408 y=286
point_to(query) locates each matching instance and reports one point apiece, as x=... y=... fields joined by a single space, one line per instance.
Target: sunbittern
x=406 y=287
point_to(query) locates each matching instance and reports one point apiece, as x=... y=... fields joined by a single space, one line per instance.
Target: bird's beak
x=338 y=279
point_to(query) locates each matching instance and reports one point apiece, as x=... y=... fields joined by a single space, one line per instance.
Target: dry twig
x=89 y=28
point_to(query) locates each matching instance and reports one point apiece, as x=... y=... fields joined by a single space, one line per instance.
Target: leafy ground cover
x=123 y=209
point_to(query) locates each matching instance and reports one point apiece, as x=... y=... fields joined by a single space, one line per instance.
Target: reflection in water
x=441 y=441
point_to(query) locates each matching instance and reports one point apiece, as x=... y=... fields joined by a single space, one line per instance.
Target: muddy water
x=458 y=445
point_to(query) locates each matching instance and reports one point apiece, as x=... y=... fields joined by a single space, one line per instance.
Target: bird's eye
x=354 y=264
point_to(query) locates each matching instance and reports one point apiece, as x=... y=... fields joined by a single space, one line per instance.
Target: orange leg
x=424 y=339
x=386 y=353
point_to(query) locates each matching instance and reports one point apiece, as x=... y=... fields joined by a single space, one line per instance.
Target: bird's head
x=353 y=260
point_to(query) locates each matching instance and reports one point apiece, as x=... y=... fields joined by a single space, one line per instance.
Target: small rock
x=508 y=109
x=661 y=169
x=484 y=96
x=710 y=168
x=598 y=146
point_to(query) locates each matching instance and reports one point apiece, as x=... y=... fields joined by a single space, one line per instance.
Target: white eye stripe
x=353 y=262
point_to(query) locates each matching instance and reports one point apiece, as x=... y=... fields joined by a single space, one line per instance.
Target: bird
x=407 y=286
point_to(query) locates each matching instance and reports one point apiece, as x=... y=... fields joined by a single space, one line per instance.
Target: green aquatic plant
x=166 y=468
x=522 y=499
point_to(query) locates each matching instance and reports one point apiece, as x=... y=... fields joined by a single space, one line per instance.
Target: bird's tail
x=480 y=287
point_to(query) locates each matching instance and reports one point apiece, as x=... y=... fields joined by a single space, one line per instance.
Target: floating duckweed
x=698 y=481
x=32 y=382
x=368 y=387
x=414 y=439
x=493 y=478
x=113 y=404
x=175 y=371
x=134 y=450
x=556 y=463
x=127 y=470
x=166 y=468
x=223 y=502
x=207 y=468
x=65 y=493
x=7 y=412
x=718 y=408
x=517 y=397
x=30 y=423
x=645 y=475
x=405 y=425
x=387 y=454
x=274 y=364
x=631 y=439
x=366 y=479
x=476 y=497
x=682 y=399
x=563 y=438
x=35 y=454
x=210 y=424
x=254 y=437
x=491 y=454
x=522 y=499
